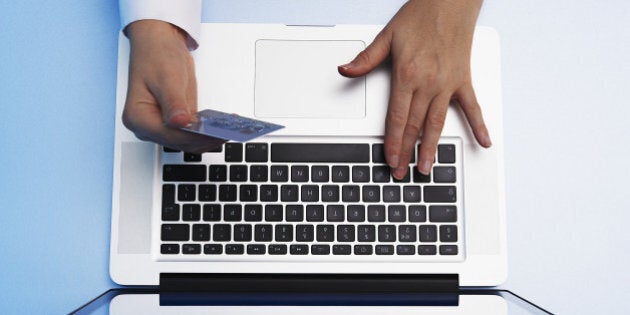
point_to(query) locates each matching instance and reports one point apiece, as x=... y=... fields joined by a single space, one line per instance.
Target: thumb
x=176 y=110
x=369 y=58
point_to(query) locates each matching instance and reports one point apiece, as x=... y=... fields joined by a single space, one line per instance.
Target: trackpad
x=299 y=79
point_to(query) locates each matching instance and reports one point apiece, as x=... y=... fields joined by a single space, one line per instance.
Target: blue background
x=566 y=73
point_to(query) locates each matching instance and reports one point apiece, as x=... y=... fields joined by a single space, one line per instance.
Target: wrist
x=143 y=29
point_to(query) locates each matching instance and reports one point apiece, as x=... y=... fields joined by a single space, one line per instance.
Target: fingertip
x=179 y=118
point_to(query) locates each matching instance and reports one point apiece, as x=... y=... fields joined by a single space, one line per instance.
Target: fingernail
x=176 y=113
x=399 y=173
x=425 y=167
x=393 y=161
x=487 y=141
x=347 y=66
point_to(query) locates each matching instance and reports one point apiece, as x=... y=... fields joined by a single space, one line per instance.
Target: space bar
x=320 y=152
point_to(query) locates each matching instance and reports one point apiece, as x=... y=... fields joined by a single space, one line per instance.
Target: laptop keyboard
x=284 y=200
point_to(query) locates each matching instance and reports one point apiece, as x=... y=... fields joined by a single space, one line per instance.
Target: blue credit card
x=226 y=126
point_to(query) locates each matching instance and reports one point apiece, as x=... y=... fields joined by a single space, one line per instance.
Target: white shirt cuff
x=185 y=14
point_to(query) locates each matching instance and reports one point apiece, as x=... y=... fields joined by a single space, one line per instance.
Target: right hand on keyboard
x=162 y=92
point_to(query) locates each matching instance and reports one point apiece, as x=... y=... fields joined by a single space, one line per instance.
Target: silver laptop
x=315 y=198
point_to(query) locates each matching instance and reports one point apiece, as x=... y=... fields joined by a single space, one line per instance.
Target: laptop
x=311 y=207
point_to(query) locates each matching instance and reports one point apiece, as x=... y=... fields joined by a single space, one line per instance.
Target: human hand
x=429 y=42
x=162 y=90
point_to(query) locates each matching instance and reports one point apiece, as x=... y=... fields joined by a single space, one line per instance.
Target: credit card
x=226 y=126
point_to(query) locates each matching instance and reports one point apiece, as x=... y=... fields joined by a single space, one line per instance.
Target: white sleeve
x=185 y=14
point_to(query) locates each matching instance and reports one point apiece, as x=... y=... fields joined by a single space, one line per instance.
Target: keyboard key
x=299 y=173
x=320 y=152
x=168 y=194
x=405 y=250
x=376 y=213
x=448 y=249
x=175 y=232
x=335 y=213
x=211 y=212
x=407 y=233
x=363 y=249
x=258 y=173
x=233 y=152
x=201 y=232
x=381 y=174
x=444 y=174
x=191 y=157
x=289 y=193
x=314 y=213
x=253 y=213
x=371 y=193
x=427 y=250
x=411 y=194
x=340 y=174
x=298 y=249
x=279 y=173
x=320 y=249
x=417 y=213
x=277 y=249
x=232 y=212
x=213 y=249
x=191 y=249
x=443 y=214
x=448 y=233
x=169 y=249
x=207 y=192
x=256 y=152
x=386 y=233
x=384 y=249
x=396 y=214
x=345 y=233
x=284 y=233
x=325 y=233
x=428 y=233
x=304 y=233
x=262 y=233
x=446 y=153
x=360 y=174
x=218 y=173
x=256 y=249
x=186 y=192
x=366 y=233
x=319 y=174
x=294 y=213
x=170 y=212
x=269 y=193
x=342 y=250
x=440 y=193
x=191 y=212
x=184 y=173
x=227 y=192
x=248 y=193
x=378 y=153
x=234 y=249
x=391 y=194
x=221 y=233
x=350 y=193
x=405 y=179
x=419 y=177
x=330 y=193
x=273 y=213
x=356 y=213
x=242 y=232
x=310 y=193
x=238 y=173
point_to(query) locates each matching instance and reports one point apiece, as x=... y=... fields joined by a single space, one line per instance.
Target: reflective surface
x=150 y=301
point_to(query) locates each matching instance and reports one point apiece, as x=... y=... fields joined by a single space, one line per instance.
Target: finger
x=369 y=58
x=411 y=133
x=433 y=125
x=468 y=101
x=397 y=113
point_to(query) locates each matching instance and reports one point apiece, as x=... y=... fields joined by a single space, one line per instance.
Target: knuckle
x=436 y=121
x=406 y=73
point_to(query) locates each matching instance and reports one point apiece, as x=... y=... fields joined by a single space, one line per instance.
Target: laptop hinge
x=309 y=283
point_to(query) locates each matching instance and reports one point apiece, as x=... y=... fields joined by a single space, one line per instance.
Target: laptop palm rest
x=292 y=75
